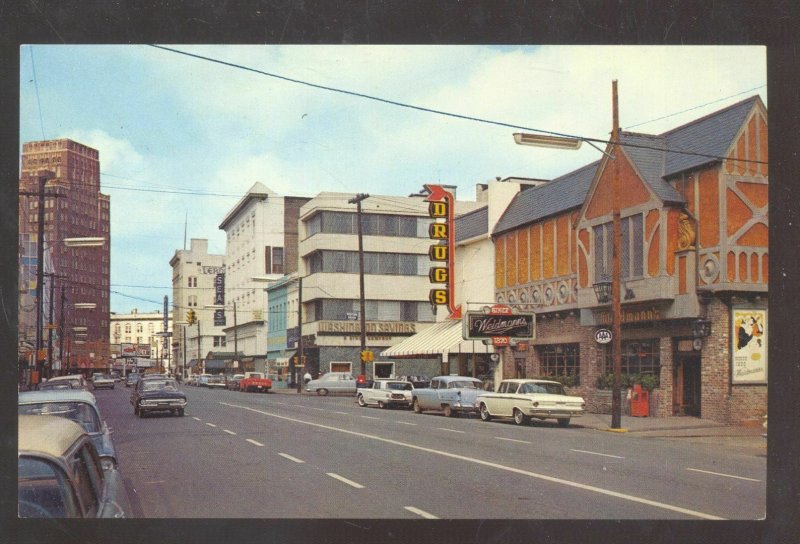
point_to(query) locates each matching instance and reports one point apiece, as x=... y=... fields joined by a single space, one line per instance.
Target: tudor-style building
x=694 y=246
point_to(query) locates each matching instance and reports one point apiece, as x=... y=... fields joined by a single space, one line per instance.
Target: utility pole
x=235 y=338
x=299 y=330
x=50 y=328
x=40 y=273
x=357 y=201
x=199 y=357
x=616 y=305
x=62 y=338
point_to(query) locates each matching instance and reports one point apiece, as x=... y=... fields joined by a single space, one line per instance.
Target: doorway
x=686 y=385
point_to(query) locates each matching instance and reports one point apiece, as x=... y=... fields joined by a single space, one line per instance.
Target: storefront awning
x=440 y=338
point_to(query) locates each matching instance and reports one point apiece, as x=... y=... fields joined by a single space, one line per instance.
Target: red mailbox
x=640 y=401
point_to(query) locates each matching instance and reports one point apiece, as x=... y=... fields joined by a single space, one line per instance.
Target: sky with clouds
x=179 y=136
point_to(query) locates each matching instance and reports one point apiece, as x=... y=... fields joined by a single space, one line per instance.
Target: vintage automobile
x=232 y=382
x=77 y=405
x=77 y=381
x=255 y=381
x=202 y=380
x=216 y=382
x=158 y=395
x=417 y=381
x=59 y=474
x=448 y=394
x=51 y=386
x=100 y=381
x=332 y=382
x=386 y=394
x=523 y=399
x=116 y=375
x=132 y=379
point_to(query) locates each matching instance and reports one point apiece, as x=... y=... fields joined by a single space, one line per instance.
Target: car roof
x=57 y=395
x=453 y=378
x=70 y=377
x=528 y=380
x=47 y=434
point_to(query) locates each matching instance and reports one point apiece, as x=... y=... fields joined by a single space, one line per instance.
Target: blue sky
x=166 y=123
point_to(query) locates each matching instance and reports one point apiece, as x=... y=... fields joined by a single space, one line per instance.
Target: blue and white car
x=448 y=394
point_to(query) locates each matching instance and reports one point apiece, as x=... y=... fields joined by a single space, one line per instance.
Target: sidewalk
x=674 y=426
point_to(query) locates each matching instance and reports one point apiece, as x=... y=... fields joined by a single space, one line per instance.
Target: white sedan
x=523 y=399
x=386 y=393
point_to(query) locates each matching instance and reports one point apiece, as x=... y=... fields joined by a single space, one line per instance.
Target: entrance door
x=686 y=385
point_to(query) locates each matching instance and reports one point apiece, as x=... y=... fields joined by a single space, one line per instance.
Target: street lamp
x=602 y=287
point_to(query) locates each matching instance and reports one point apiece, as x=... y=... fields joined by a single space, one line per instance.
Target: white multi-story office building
x=194 y=274
x=261 y=245
x=141 y=332
x=396 y=284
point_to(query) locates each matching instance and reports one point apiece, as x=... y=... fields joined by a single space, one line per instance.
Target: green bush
x=647 y=381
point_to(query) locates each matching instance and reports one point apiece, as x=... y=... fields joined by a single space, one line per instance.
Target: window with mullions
x=638 y=357
x=632 y=249
x=560 y=360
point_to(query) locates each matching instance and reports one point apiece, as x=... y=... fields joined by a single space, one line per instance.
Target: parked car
x=52 y=386
x=523 y=399
x=160 y=395
x=77 y=405
x=77 y=381
x=192 y=380
x=418 y=382
x=59 y=473
x=386 y=394
x=100 y=380
x=116 y=376
x=332 y=382
x=448 y=394
x=232 y=382
x=202 y=380
x=216 y=381
x=132 y=379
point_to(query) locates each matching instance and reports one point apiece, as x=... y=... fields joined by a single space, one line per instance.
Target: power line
x=440 y=112
x=36 y=85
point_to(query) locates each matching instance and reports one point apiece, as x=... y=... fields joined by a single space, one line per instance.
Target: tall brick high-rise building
x=74 y=207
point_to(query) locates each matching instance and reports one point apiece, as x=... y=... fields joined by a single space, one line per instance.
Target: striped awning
x=440 y=338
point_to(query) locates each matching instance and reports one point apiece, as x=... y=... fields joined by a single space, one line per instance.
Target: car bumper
x=161 y=405
x=557 y=413
x=104 y=385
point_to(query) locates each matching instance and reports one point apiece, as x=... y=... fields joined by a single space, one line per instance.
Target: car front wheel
x=448 y=411
x=322 y=392
x=381 y=404
x=361 y=401
x=417 y=407
x=180 y=412
x=519 y=417
x=485 y=415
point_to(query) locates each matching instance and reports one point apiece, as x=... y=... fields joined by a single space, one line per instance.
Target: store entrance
x=686 y=385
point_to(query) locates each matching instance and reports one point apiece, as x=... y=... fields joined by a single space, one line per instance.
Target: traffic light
x=367 y=356
x=191 y=317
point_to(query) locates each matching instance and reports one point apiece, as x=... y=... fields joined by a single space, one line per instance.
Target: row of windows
x=372 y=224
x=632 y=250
x=403 y=264
x=374 y=310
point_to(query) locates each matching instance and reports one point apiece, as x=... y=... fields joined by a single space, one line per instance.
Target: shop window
x=560 y=360
x=638 y=357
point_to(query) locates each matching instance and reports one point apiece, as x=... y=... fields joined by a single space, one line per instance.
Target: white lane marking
x=451 y=430
x=512 y=440
x=595 y=453
x=210 y=424
x=404 y=423
x=320 y=409
x=345 y=413
x=156 y=482
x=451 y=455
x=721 y=474
x=229 y=432
x=370 y=417
x=421 y=513
x=345 y=480
x=196 y=418
x=290 y=458
x=254 y=442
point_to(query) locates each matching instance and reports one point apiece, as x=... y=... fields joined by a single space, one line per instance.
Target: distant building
x=74 y=208
x=138 y=335
x=194 y=273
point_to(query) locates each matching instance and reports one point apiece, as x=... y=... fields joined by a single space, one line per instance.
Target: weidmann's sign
x=480 y=325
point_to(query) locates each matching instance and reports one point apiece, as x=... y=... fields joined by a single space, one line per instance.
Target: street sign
x=602 y=336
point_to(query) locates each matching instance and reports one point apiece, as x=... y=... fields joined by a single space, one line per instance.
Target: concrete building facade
x=140 y=332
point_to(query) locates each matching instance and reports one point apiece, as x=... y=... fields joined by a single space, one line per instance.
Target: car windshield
x=79 y=412
x=159 y=385
x=551 y=388
x=56 y=385
x=462 y=384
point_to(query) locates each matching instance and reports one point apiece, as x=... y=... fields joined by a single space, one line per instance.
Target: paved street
x=301 y=456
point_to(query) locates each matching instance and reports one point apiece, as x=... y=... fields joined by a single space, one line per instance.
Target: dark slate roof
x=710 y=135
x=472 y=224
x=561 y=194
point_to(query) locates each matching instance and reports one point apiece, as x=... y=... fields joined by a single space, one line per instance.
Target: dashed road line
x=370 y=417
x=464 y=458
x=345 y=480
x=421 y=513
x=254 y=442
x=345 y=413
x=210 y=424
x=404 y=423
x=512 y=440
x=725 y=475
x=450 y=430
x=229 y=432
x=196 y=418
x=601 y=454
x=290 y=458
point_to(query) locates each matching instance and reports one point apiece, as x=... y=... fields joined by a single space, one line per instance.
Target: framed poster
x=749 y=346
